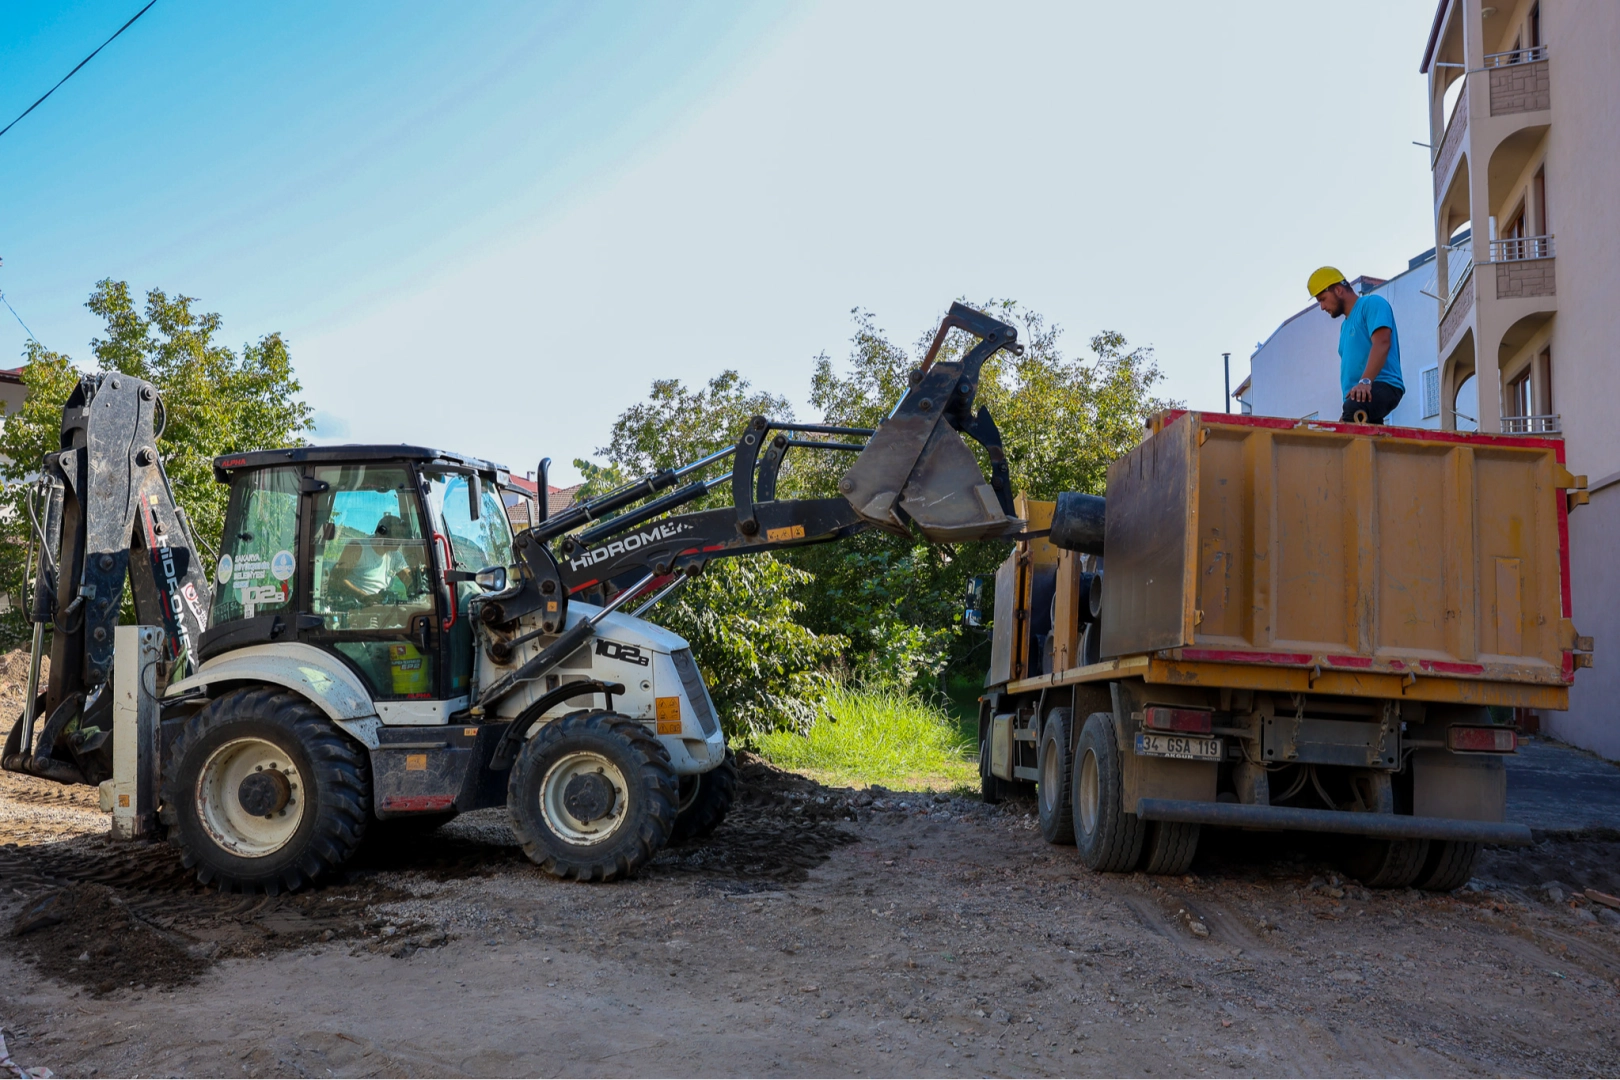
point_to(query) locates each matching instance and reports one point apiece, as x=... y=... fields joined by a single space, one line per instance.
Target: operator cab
x=364 y=552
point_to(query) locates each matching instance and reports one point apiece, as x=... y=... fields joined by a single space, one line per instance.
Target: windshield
x=475 y=544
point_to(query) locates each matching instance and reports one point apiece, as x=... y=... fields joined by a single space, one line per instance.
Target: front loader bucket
x=916 y=470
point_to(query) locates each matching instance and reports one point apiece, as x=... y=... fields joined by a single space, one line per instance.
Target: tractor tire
x=705 y=800
x=1384 y=864
x=1108 y=838
x=992 y=789
x=1056 y=766
x=1169 y=847
x=1449 y=866
x=592 y=796
x=263 y=794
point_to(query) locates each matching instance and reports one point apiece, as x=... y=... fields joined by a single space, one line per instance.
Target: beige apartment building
x=1524 y=117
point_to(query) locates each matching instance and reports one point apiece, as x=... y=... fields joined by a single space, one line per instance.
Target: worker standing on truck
x=1369 y=348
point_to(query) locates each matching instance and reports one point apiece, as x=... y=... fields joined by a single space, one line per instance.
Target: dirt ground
x=819 y=932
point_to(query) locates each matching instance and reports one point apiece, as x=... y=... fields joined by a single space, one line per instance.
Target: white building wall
x=1295 y=372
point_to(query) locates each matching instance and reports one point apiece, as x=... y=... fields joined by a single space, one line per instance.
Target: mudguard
x=306 y=671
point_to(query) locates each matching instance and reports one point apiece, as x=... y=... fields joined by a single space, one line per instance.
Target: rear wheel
x=1385 y=864
x=1449 y=866
x=1168 y=847
x=1109 y=839
x=704 y=801
x=592 y=796
x=261 y=792
x=1057 y=773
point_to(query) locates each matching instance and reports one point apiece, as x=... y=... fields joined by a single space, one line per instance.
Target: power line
x=74 y=72
x=18 y=317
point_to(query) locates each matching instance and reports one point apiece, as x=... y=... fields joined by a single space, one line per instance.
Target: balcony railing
x=1519 y=248
x=1517 y=56
x=1531 y=425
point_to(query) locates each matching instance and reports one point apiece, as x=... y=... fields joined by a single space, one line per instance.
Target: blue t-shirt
x=1355 y=342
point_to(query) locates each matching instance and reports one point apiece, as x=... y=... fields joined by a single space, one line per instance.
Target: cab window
x=371 y=567
x=476 y=544
x=255 y=572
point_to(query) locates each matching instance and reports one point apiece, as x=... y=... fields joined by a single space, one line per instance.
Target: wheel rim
x=1051 y=780
x=1087 y=797
x=573 y=772
x=250 y=797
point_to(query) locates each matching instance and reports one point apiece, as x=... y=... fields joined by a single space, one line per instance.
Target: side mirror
x=973 y=603
x=491 y=579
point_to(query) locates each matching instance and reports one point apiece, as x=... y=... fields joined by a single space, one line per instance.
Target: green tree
x=215 y=401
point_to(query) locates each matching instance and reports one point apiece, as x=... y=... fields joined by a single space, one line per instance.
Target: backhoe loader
x=374 y=644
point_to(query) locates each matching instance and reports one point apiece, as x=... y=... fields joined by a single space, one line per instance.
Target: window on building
x=1431 y=392
x=1535 y=25
x=1538 y=187
x=1544 y=398
x=1518 y=395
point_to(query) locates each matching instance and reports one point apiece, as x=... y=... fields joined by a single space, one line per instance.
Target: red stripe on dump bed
x=1283 y=422
x=1349 y=661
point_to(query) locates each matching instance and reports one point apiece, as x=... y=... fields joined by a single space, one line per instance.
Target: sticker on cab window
x=281 y=565
x=224 y=572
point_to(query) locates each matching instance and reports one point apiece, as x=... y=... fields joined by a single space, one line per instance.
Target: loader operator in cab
x=1369 y=348
x=367 y=568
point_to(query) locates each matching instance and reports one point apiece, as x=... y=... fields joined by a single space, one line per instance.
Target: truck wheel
x=1109 y=839
x=1385 y=864
x=1057 y=772
x=990 y=786
x=1449 y=866
x=1169 y=847
x=592 y=796
x=704 y=801
x=261 y=792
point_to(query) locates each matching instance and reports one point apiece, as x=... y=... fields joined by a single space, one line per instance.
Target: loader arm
x=912 y=472
x=102 y=511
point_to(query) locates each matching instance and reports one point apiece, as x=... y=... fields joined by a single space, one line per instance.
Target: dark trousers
x=1384 y=399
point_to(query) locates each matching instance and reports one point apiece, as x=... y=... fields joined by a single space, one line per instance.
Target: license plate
x=1178 y=746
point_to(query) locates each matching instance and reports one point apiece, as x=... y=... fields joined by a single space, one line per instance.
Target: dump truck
x=372 y=645
x=1275 y=624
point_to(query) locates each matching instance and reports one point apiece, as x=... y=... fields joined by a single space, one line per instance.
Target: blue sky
x=488 y=227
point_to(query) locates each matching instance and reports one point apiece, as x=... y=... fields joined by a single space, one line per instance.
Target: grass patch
x=865 y=737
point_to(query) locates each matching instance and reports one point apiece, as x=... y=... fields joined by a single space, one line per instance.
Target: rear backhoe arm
x=102 y=510
x=912 y=472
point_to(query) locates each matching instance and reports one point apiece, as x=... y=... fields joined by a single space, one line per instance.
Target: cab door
x=470 y=533
x=369 y=581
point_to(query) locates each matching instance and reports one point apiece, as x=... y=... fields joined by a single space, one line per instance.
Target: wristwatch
x=1360 y=381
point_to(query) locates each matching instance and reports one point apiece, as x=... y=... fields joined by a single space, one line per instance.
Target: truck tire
x=1056 y=766
x=1449 y=866
x=1169 y=847
x=704 y=801
x=1108 y=838
x=991 y=788
x=592 y=796
x=1385 y=864
x=262 y=793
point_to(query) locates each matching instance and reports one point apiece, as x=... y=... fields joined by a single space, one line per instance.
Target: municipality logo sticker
x=224 y=572
x=281 y=565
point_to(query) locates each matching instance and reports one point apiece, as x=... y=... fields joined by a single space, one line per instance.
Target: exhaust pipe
x=1077 y=523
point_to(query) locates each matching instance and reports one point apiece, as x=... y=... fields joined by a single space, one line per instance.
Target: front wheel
x=592 y=796
x=263 y=793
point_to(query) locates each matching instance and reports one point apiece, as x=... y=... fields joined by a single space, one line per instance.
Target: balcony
x=1532 y=425
x=1524 y=267
x=1519 y=248
x=1519 y=81
x=1452 y=143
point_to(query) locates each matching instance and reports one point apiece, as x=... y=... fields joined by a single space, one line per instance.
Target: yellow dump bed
x=1341 y=558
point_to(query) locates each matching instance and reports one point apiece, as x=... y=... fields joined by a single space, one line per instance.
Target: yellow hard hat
x=1325 y=278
